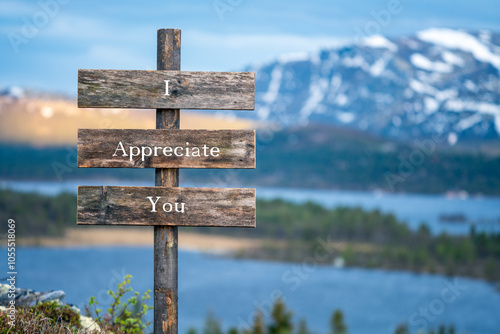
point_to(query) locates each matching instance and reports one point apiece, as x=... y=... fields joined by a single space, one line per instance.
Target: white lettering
x=167 y=207
x=166 y=87
x=177 y=207
x=120 y=147
x=132 y=148
x=150 y=150
x=156 y=150
x=195 y=151
x=214 y=151
x=141 y=152
x=153 y=203
x=169 y=210
x=177 y=148
x=167 y=151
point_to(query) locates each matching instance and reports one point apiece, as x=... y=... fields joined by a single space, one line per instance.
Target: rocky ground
x=29 y=298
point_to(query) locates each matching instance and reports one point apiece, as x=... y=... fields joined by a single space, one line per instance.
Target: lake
x=483 y=212
x=373 y=301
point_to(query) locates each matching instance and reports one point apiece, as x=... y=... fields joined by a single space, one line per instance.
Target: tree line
x=292 y=232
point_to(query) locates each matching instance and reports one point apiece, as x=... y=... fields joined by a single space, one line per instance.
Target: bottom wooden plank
x=166 y=206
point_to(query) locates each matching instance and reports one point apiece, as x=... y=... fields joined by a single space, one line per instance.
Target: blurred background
x=378 y=160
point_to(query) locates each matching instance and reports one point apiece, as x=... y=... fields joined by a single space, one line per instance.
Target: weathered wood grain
x=97 y=147
x=130 y=206
x=146 y=89
x=166 y=242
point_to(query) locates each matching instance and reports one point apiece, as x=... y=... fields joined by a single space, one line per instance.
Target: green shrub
x=122 y=317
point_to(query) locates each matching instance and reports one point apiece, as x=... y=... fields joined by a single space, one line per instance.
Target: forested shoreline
x=294 y=232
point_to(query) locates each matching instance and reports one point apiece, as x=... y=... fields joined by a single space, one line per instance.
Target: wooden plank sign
x=166 y=89
x=166 y=148
x=166 y=206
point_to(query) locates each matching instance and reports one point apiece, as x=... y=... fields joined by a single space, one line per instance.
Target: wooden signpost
x=167 y=148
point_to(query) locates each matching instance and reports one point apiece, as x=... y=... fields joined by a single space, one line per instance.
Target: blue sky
x=217 y=35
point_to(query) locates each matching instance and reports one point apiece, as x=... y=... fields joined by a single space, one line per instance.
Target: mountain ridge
x=440 y=82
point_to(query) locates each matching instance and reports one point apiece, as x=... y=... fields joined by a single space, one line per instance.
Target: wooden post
x=165 y=237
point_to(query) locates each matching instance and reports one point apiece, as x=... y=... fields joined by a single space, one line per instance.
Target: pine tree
x=259 y=324
x=281 y=319
x=232 y=330
x=212 y=325
x=337 y=323
x=402 y=329
x=303 y=327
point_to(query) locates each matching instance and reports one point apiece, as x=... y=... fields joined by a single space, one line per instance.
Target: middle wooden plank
x=166 y=148
x=166 y=89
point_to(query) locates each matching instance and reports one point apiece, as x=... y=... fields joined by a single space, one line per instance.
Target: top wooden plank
x=166 y=89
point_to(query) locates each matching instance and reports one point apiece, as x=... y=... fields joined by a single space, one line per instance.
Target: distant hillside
x=338 y=158
x=441 y=82
x=307 y=157
x=52 y=120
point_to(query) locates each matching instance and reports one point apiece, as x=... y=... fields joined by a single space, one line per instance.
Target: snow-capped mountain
x=12 y=91
x=440 y=81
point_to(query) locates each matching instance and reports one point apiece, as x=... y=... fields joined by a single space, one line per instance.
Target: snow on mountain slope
x=440 y=82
